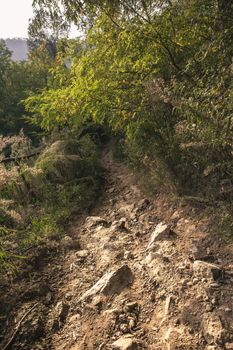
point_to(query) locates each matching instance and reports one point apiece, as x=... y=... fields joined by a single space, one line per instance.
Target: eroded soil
x=175 y=290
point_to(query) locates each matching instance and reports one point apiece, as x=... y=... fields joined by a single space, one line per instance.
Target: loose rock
x=58 y=315
x=126 y=343
x=111 y=283
x=82 y=255
x=92 y=221
x=206 y=270
x=143 y=204
x=212 y=329
x=162 y=231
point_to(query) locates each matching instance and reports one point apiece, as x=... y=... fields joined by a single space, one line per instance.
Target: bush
x=65 y=179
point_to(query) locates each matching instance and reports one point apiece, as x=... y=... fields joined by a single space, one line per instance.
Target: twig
x=15 y=159
x=18 y=327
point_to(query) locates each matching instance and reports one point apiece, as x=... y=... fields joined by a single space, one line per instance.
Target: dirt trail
x=137 y=273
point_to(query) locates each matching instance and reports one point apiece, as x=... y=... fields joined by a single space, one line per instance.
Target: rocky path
x=137 y=273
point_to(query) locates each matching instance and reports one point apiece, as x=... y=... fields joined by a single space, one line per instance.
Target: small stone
x=227 y=309
x=58 y=315
x=132 y=306
x=175 y=215
x=132 y=323
x=128 y=255
x=119 y=225
x=212 y=328
x=207 y=271
x=124 y=328
x=111 y=190
x=126 y=343
x=214 y=285
x=228 y=346
x=143 y=204
x=162 y=231
x=97 y=301
x=82 y=254
x=111 y=283
x=195 y=253
x=150 y=257
x=209 y=307
x=68 y=242
x=112 y=312
x=92 y=221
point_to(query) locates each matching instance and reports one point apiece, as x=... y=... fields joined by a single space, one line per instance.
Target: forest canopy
x=158 y=72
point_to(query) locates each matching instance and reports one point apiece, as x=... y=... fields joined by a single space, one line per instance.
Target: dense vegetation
x=157 y=74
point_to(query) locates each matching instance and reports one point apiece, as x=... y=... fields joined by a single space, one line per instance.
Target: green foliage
x=18 y=81
x=158 y=72
x=65 y=180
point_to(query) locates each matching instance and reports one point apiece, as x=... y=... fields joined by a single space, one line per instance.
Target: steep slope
x=135 y=273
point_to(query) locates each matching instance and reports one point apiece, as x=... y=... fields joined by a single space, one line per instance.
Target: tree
x=46 y=28
x=17 y=81
x=158 y=71
x=5 y=66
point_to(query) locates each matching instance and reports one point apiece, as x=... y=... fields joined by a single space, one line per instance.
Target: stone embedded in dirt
x=118 y=280
x=162 y=231
x=112 y=312
x=150 y=257
x=176 y=215
x=33 y=327
x=119 y=225
x=213 y=331
x=58 y=315
x=68 y=243
x=126 y=343
x=143 y=204
x=81 y=255
x=111 y=190
x=92 y=221
x=206 y=270
x=195 y=251
x=132 y=307
x=228 y=346
x=111 y=283
x=128 y=255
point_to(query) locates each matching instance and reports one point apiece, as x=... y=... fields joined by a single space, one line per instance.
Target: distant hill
x=19 y=48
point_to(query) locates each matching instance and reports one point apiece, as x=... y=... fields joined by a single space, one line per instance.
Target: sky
x=14 y=17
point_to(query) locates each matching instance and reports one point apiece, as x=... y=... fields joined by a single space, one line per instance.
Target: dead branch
x=18 y=327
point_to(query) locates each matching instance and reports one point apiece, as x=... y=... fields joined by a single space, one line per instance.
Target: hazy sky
x=14 y=16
